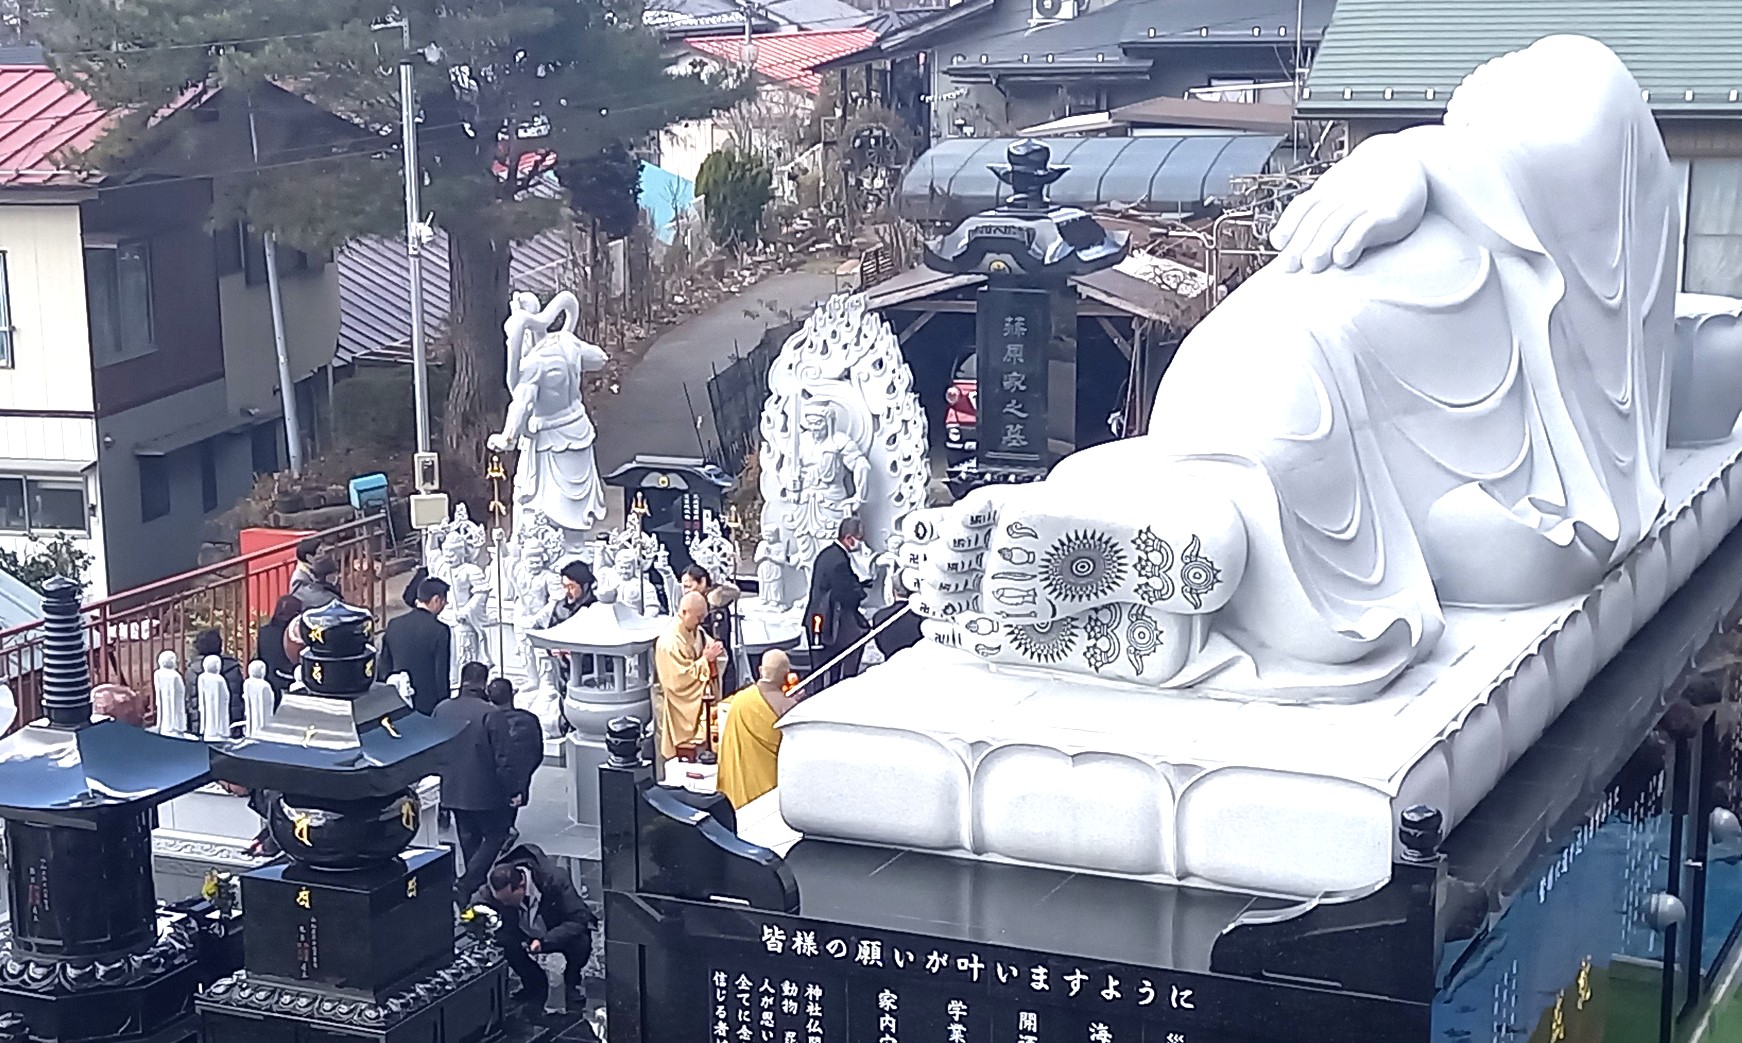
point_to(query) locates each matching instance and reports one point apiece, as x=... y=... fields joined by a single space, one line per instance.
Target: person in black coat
x=541 y=912
x=517 y=741
x=833 y=620
x=472 y=790
x=421 y=646
x=578 y=586
x=269 y=645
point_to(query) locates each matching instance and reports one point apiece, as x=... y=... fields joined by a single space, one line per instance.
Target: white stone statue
x=536 y=588
x=468 y=603
x=1465 y=404
x=1403 y=493
x=8 y=707
x=713 y=550
x=214 y=697
x=777 y=574
x=471 y=543
x=547 y=419
x=257 y=698
x=625 y=556
x=842 y=434
x=170 y=693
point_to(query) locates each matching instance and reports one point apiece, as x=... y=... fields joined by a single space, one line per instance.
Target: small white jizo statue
x=170 y=693
x=547 y=420
x=214 y=696
x=257 y=699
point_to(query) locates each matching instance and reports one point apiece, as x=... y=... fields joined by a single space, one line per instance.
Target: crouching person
x=541 y=913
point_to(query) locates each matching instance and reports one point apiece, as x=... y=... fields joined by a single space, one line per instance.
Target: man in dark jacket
x=541 y=913
x=833 y=621
x=578 y=584
x=471 y=789
x=422 y=646
x=517 y=741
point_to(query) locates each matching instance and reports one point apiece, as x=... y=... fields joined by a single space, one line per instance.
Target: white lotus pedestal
x=610 y=651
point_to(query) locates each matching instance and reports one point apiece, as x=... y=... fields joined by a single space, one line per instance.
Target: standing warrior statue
x=547 y=420
x=468 y=600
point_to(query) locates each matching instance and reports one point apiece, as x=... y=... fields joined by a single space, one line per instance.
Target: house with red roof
x=138 y=375
x=786 y=91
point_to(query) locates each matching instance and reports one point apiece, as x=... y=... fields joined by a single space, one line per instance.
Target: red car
x=962 y=400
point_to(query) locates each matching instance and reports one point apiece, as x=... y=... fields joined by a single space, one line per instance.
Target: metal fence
x=125 y=633
x=736 y=395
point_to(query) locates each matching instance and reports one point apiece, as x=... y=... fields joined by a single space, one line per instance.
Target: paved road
x=649 y=414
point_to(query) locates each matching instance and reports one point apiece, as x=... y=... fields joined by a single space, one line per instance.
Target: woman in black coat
x=269 y=644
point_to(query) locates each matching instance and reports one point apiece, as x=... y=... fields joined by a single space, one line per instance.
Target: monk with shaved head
x=686 y=661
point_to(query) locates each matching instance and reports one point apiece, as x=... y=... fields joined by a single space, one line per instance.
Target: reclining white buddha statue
x=1452 y=389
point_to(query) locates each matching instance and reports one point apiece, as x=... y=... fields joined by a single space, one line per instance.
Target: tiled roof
x=42 y=117
x=788 y=57
x=1405 y=56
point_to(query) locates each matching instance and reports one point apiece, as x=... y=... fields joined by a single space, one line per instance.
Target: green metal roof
x=1404 y=57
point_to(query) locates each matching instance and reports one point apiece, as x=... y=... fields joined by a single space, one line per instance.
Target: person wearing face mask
x=833 y=619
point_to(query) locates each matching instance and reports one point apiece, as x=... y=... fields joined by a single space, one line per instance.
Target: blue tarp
x=663 y=194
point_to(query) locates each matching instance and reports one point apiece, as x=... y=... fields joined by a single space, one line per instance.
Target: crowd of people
x=703 y=710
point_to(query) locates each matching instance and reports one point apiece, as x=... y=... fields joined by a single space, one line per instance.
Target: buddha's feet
x=1029 y=555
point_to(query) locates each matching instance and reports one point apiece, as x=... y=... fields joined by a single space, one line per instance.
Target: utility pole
x=414 y=234
x=286 y=388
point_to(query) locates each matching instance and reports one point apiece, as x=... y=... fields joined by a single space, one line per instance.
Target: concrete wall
x=311 y=326
x=47 y=429
x=141 y=551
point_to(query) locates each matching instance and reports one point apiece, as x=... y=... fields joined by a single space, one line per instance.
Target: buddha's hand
x=1031 y=554
x=1373 y=197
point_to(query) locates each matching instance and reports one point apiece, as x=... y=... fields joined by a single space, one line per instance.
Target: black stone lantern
x=351 y=934
x=1028 y=248
x=89 y=955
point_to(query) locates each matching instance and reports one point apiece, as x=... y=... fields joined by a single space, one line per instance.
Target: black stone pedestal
x=464 y=1002
x=89 y=956
x=364 y=931
x=352 y=936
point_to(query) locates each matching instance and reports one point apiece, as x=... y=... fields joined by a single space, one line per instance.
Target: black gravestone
x=89 y=955
x=351 y=936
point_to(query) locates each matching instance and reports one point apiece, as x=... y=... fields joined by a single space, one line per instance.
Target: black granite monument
x=1594 y=896
x=90 y=955
x=1026 y=316
x=350 y=936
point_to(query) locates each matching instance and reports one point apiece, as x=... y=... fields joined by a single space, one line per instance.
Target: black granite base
x=145 y=997
x=466 y=1002
x=364 y=931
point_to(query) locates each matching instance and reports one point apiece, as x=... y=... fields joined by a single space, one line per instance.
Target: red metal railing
x=126 y=632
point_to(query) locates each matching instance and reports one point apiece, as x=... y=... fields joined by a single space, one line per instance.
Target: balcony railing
x=125 y=633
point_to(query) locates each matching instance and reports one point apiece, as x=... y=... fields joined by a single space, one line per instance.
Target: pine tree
x=509 y=91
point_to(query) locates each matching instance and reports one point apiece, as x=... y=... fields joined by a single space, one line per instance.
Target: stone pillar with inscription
x=89 y=954
x=351 y=935
x=1028 y=248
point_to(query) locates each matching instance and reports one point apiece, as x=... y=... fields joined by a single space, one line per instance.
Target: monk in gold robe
x=749 y=740
x=685 y=660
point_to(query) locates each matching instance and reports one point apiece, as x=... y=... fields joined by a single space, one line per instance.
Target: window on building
x=1713 y=261
x=5 y=314
x=118 y=299
x=37 y=504
x=154 y=500
x=208 y=476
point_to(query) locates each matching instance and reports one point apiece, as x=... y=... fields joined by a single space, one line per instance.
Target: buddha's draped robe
x=1475 y=415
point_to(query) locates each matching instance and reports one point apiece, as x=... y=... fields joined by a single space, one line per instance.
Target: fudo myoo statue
x=547 y=420
x=1451 y=389
x=842 y=434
